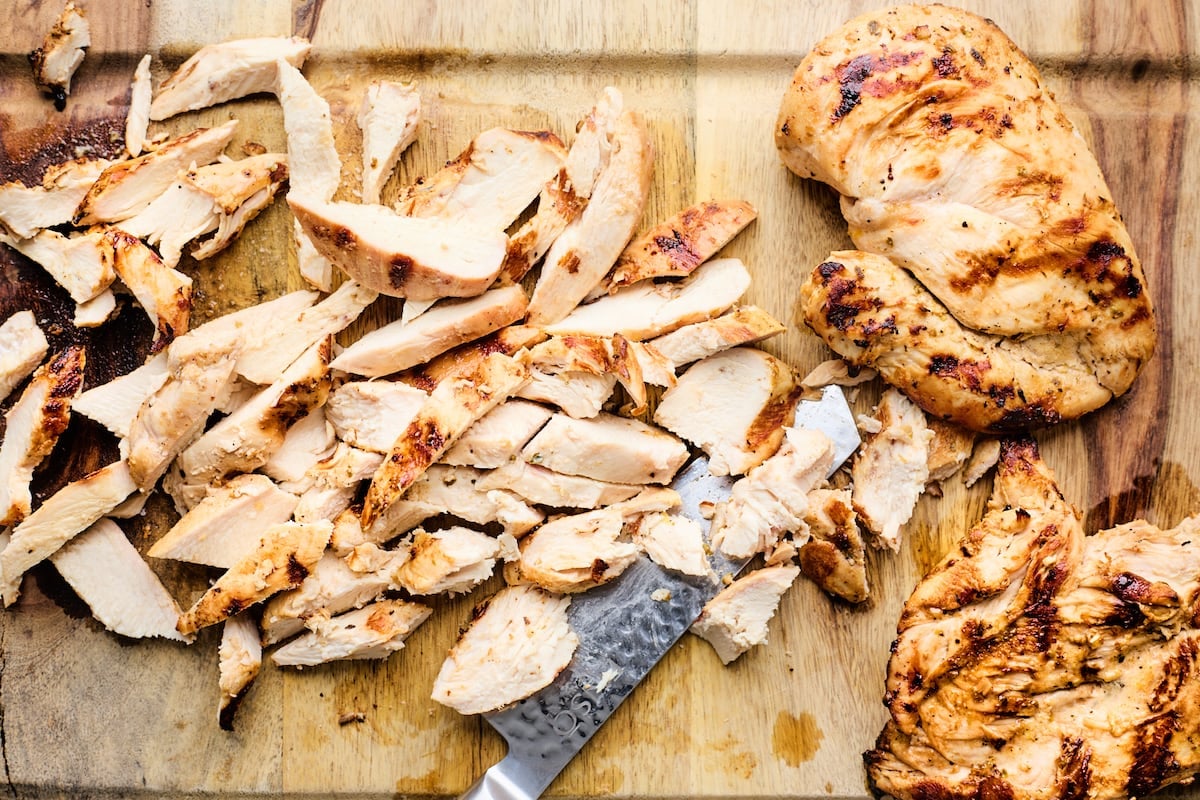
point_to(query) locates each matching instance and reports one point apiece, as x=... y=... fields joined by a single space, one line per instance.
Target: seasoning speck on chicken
x=518 y=642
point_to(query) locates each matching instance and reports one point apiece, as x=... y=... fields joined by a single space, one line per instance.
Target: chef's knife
x=625 y=627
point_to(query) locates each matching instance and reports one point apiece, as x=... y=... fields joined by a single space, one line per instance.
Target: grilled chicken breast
x=25 y=210
x=576 y=393
x=1037 y=662
x=834 y=557
x=453 y=560
x=556 y=489
x=1002 y=289
x=518 y=641
x=459 y=491
x=497 y=438
x=388 y=118
x=22 y=348
x=164 y=293
x=372 y=414
x=673 y=542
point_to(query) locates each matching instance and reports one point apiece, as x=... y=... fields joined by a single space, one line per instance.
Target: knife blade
x=625 y=627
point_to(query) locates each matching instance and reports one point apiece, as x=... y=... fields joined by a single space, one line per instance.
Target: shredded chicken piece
x=22 y=348
x=443 y=489
x=306 y=444
x=164 y=293
x=598 y=356
x=838 y=372
x=673 y=542
x=834 y=558
x=983 y=458
x=452 y=560
x=95 y=312
x=497 y=438
x=81 y=264
x=115 y=404
x=736 y=619
x=700 y=340
x=137 y=119
x=949 y=448
x=388 y=117
x=61 y=53
x=607 y=448
x=374 y=631
x=372 y=414
x=577 y=394
x=239 y=660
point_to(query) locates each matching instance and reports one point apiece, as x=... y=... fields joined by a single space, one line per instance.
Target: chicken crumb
x=348 y=717
x=660 y=595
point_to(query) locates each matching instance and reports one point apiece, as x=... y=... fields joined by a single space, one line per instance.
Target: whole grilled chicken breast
x=997 y=285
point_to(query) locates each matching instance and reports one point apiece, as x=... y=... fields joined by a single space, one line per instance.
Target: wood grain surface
x=84 y=713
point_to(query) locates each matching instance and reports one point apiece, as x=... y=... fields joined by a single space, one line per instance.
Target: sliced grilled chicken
x=174 y=415
x=306 y=444
x=239 y=660
x=217 y=198
x=374 y=631
x=400 y=345
x=372 y=414
x=519 y=640
x=333 y=483
x=388 y=117
x=675 y=247
x=837 y=372
x=892 y=468
x=555 y=489
x=647 y=310
x=81 y=264
x=465 y=360
x=137 y=119
x=410 y=257
x=164 y=293
x=949 y=448
x=453 y=407
x=584 y=253
x=61 y=517
x=673 y=542
x=331 y=588
x=315 y=268
x=593 y=145
x=246 y=439
x=453 y=560
x=221 y=72
x=284 y=557
x=734 y=405
x=228 y=523
x=700 y=340
x=596 y=355
x=736 y=619
x=61 y=53
x=25 y=210
x=22 y=348
x=444 y=489
x=497 y=438
x=263 y=360
x=95 y=312
x=773 y=499
x=834 y=558
x=579 y=552
x=115 y=404
x=32 y=427
x=126 y=187
x=247 y=329
x=491 y=182
x=577 y=394
x=108 y=574
x=607 y=448
x=983 y=458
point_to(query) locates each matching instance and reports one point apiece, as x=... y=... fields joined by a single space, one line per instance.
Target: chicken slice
x=332 y=484
x=949 y=448
x=834 y=558
x=736 y=619
x=837 y=372
x=497 y=438
x=239 y=660
x=95 y=312
x=174 y=415
x=519 y=640
x=892 y=468
x=249 y=331
x=410 y=257
x=374 y=631
x=578 y=394
x=227 y=71
x=444 y=489
x=285 y=556
x=227 y=524
x=465 y=360
x=491 y=182
x=61 y=517
x=164 y=293
x=985 y=456
x=372 y=414
x=733 y=405
x=115 y=404
x=22 y=348
x=137 y=119
x=81 y=264
x=584 y=253
x=593 y=145
x=675 y=247
x=648 y=310
x=673 y=542
x=579 y=552
x=598 y=356
x=109 y=574
x=400 y=345
x=306 y=444
x=607 y=448
x=32 y=427
x=700 y=340
x=126 y=187
x=452 y=408
x=453 y=560
x=25 y=210
x=388 y=117
x=263 y=360
x=331 y=588
x=555 y=489
x=61 y=53
x=773 y=498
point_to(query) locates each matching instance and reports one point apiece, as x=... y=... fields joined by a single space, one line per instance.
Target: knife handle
x=509 y=779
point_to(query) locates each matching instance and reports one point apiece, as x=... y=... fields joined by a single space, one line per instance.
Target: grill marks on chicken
x=1035 y=661
x=952 y=174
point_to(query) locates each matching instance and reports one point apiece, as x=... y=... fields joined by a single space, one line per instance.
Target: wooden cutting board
x=85 y=713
